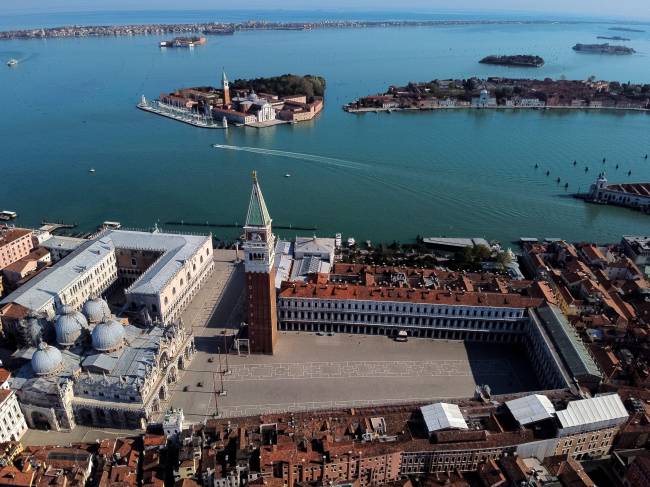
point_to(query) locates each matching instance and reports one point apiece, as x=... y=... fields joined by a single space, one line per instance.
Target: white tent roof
x=530 y=409
x=440 y=416
x=593 y=411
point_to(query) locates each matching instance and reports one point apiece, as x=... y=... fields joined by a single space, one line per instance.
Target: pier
x=237 y=225
x=54 y=226
x=180 y=115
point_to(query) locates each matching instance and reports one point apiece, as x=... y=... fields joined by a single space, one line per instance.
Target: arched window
x=201 y=259
x=173 y=291
x=182 y=282
x=166 y=300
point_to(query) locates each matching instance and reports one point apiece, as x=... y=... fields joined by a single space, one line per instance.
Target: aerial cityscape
x=380 y=248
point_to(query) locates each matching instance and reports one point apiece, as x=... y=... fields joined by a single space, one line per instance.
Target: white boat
x=287 y=175
x=92 y=169
x=8 y=215
x=12 y=62
x=351 y=242
x=111 y=225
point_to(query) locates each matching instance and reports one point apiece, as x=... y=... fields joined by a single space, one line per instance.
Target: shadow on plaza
x=503 y=366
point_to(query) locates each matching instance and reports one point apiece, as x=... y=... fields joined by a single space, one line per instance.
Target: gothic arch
x=85 y=417
x=41 y=421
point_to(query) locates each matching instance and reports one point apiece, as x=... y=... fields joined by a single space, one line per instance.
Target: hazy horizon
x=631 y=10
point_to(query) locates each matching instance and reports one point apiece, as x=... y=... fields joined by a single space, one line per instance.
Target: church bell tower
x=225 y=85
x=259 y=253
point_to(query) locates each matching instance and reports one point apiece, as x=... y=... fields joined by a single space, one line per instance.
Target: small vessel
x=12 y=62
x=110 y=225
x=558 y=180
x=536 y=166
x=7 y=215
x=548 y=172
x=287 y=175
x=575 y=162
x=351 y=242
x=92 y=169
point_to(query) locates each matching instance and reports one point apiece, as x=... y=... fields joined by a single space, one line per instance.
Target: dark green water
x=70 y=105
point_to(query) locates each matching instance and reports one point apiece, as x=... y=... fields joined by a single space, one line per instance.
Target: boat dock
x=180 y=115
x=54 y=226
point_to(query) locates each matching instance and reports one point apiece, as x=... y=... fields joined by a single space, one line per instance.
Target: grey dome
x=96 y=310
x=69 y=325
x=108 y=336
x=46 y=360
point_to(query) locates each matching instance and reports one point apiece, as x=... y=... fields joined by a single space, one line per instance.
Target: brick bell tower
x=259 y=252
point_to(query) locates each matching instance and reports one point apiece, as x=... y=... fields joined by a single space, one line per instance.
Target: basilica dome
x=108 y=336
x=69 y=325
x=96 y=310
x=47 y=360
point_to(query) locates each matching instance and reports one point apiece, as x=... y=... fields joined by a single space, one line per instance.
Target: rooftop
x=592 y=411
x=8 y=235
x=440 y=416
x=377 y=293
x=530 y=409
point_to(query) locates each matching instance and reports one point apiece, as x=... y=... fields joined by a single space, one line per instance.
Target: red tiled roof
x=372 y=293
x=4 y=375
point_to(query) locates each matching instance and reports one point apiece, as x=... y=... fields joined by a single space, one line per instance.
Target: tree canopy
x=285 y=85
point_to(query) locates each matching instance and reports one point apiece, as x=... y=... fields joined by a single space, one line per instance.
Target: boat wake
x=294 y=155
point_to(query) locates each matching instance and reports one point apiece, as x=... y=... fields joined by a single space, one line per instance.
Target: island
x=229 y=28
x=626 y=29
x=613 y=38
x=507 y=93
x=518 y=60
x=603 y=49
x=259 y=103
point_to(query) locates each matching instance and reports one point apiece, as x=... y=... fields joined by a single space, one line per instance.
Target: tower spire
x=258 y=213
x=225 y=85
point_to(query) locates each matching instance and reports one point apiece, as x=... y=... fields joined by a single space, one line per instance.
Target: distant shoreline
x=76 y=31
x=501 y=107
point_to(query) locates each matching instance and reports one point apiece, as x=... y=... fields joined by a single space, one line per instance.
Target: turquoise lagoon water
x=70 y=105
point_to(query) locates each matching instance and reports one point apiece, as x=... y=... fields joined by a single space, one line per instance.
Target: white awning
x=530 y=409
x=440 y=416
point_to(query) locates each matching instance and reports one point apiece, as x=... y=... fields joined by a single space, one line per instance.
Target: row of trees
x=285 y=85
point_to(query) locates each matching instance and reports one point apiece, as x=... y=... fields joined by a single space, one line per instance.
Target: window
x=133 y=262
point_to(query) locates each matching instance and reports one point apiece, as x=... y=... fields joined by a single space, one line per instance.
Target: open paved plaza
x=316 y=372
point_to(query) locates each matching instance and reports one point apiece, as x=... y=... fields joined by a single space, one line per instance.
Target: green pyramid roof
x=258 y=214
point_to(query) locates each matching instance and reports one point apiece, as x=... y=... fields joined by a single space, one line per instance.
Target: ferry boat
x=12 y=62
x=8 y=215
x=109 y=225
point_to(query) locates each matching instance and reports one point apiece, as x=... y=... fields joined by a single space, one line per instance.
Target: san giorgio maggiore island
x=261 y=102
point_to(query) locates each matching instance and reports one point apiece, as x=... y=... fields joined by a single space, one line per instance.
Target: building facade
x=15 y=243
x=12 y=421
x=259 y=252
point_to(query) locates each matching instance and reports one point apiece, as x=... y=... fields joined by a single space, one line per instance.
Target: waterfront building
x=61 y=246
x=15 y=243
x=259 y=254
x=631 y=195
x=637 y=248
x=484 y=100
x=104 y=373
x=159 y=272
x=12 y=421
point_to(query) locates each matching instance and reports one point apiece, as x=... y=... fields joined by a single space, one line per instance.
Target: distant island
x=229 y=28
x=626 y=29
x=603 y=49
x=525 y=60
x=259 y=103
x=507 y=93
x=613 y=38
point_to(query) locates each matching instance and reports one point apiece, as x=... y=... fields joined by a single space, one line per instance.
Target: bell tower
x=225 y=85
x=259 y=253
